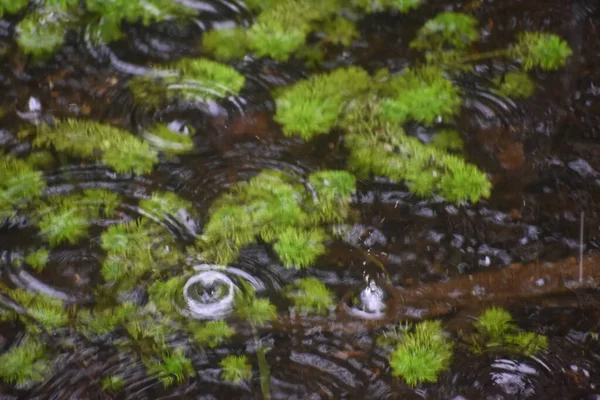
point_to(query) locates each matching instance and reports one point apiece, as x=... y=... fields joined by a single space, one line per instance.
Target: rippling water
x=543 y=154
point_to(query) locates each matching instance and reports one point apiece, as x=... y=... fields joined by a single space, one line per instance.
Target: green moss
x=544 y=50
x=27 y=362
x=38 y=259
x=447 y=139
x=113 y=383
x=164 y=293
x=300 y=248
x=212 y=333
x=45 y=310
x=19 y=184
x=383 y=149
x=380 y=5
x=42 y=32
x=516 y=84
x=421 y=355
x=146 y=11
x=249 y=307
x=12 y=6
x=115 y=147
x=194 y=79
x=313 y=106
x=101 y=321
x=279 y=212
x=496 y=328
x=421 y=95
x=226 y=44
x=172 y=368
x=67 y=219
x=340 y=31
x=311 y=295
x=235 y=369
x=163 y=138
x=136 y=248
x=165 y=205
x=447 y=29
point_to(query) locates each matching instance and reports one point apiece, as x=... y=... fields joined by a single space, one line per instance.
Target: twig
x=581 y=248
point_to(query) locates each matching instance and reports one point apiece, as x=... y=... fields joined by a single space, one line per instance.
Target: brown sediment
x=517 y=282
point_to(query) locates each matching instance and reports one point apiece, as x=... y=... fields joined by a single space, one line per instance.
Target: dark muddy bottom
x=543 y=154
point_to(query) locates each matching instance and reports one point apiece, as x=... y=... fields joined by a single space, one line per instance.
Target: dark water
x=543 y=154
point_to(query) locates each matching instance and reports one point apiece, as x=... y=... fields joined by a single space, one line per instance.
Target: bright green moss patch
x=169 y=141
x=280 y=212
x=381 y=148
x=42 y=32
x=172 y=368
x=311 y=295
x=421 y=355
x=255 y=310
x=447 y=29
x=19 y=183
x=38 y=259
x=544 y=50
x=67 y=219
x=42 y=310
x=236 y=369
x=12 y=6
x=380 y=5
x=212 y=333
x=313 y=106
x=25 y=363
x=165 y=205
x=136 y=248
x=421 y=95
x=497 y=329
x=91 y=140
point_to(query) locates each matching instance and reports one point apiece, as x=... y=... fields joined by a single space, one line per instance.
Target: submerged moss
x=236 y=369
x=311 y=295
x=516 y=84
x=421 y=355
x=19 y=184
x=193 y=79
x=279 y=212
x=447 y=29
x=27 y=362
x=172 y=368
x=91 y=140
x=212 y=333
x=497 y=329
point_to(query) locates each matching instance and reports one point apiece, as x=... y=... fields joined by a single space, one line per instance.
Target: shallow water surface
x=542 y=154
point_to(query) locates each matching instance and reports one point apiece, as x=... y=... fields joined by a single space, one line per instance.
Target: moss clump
x=236 y=369
x=421 y=95
x=248 y=307
x=42 y=32
x=172 y=368
x=164 y=293
x=421 y=355
x=193 y=79
x=19 y=184
x=101 y=321
x=226 y=44
x=41 y=310
x=38 y=259
x=447 y=29
x=447 y=139
x=382 y=148
x=12 y=6
x=280 y=212
x=136 y=248
x=496 y=328
x=91 y=140
x=544 y=50
x=212 y=333
x=67 y=219
x=380 y=5
x=516 y=84
x=25 y=363
x=114 y=383
x=311 y=295
x=313 y=106
x=165 y=206
x=169 y=141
